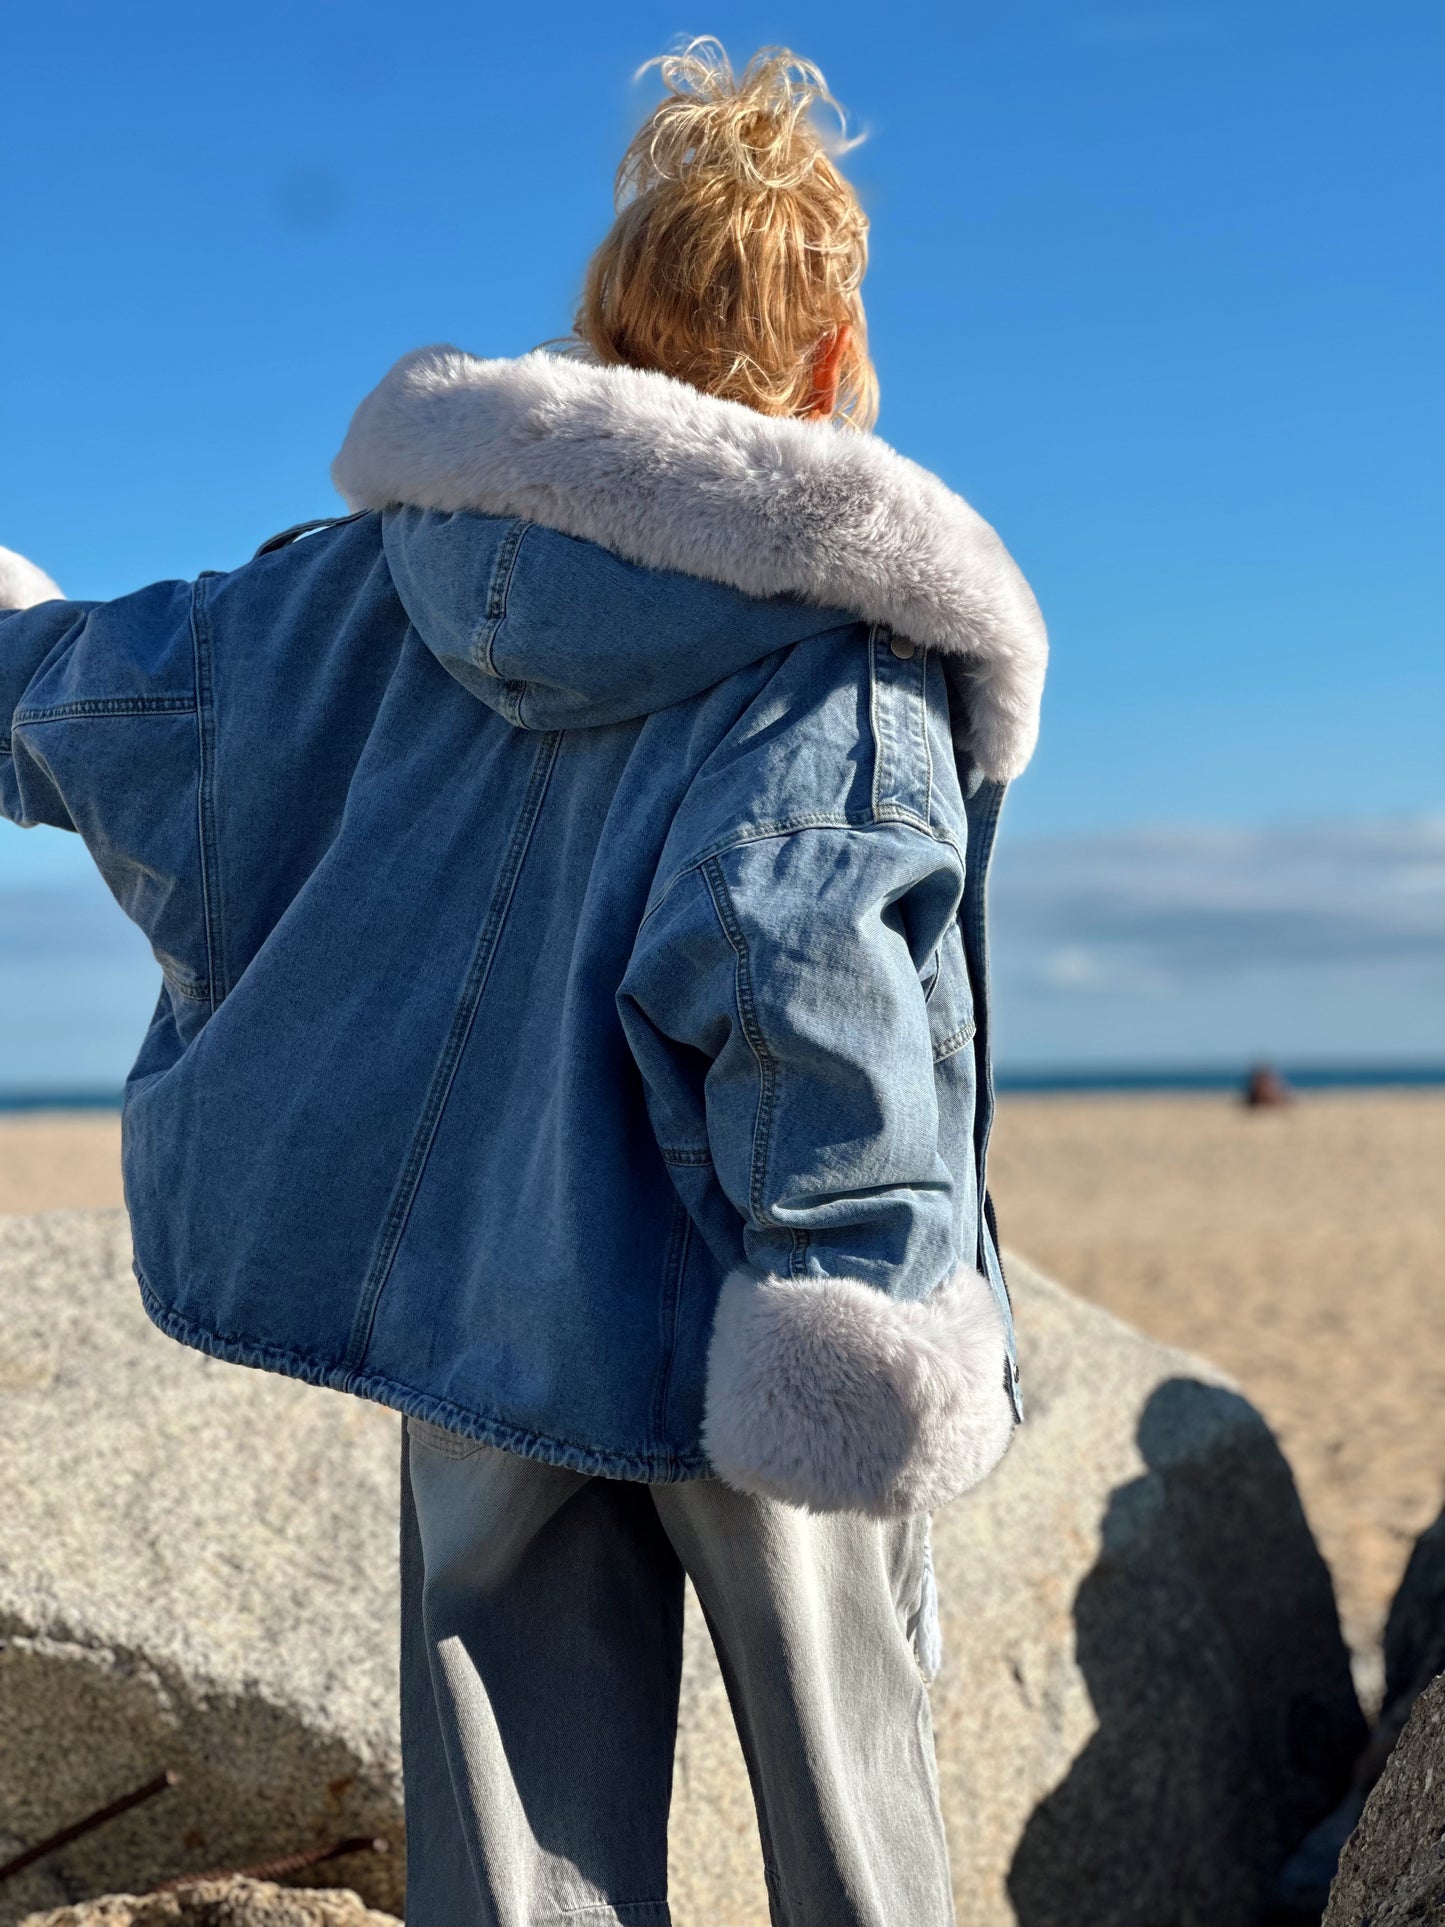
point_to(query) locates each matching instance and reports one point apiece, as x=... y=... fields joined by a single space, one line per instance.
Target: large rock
x=1392 y=1871
x=197 y=1571
x=1145 y=1700
x=221 y=1903
x=1415 y=1631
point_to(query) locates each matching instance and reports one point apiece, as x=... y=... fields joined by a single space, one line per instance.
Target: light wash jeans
x=541 y=1652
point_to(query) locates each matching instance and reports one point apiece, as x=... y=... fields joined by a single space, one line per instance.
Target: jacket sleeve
x=778 y=1006
x=99 y=734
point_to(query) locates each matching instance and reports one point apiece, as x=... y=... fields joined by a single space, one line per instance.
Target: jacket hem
x=664 y=1467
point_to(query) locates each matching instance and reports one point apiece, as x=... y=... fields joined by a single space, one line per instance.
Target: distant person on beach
x=567 y=876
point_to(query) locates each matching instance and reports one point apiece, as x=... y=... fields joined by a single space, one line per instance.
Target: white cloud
x=1156 y=909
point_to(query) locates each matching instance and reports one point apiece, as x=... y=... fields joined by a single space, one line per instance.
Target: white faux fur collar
x=675 y=479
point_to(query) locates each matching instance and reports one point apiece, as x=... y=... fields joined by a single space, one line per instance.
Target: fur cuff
x=22 y=584
x=829 y=1394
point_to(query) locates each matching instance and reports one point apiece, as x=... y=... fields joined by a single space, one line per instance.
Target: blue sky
x=1159 y=287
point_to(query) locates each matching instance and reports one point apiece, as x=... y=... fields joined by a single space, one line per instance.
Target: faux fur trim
x=829 y=1394
x=675 y=479
x=22 y=585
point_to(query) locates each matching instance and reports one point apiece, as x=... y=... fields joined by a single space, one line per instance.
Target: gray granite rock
x=197 y=1571
x=1145 y=1699
x=1392 y=1871
x=221 y=1903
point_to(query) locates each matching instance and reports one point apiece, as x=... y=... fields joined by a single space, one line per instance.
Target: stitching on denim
x=407 y=1399
x=952 y=1045
x=206 y=836
x=674 y=1266
x=765 y=832
x=897 y=694
x=497 y=589
x=484 y=641
x=900 y=813
x=97 y=707
x=875 y=723
x=193 y=993
x=684 y=1154
x=752 y=1030
x=473 y=985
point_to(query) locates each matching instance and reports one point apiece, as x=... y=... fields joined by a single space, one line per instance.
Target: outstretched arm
x=99 y=734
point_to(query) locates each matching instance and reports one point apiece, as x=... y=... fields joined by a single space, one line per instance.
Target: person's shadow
x=1208 y=1638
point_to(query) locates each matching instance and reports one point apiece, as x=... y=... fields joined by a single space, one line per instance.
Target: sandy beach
x=1301 y=1250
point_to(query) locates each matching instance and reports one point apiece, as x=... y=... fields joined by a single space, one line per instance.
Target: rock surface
x=197 y=1571
x=1392 y=1871
x=1145 y=1699
x=221 y=1903
x=1415 y=1631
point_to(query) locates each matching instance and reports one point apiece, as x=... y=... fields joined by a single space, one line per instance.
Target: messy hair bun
x=738 y=246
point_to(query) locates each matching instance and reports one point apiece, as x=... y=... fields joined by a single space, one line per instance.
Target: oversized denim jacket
x=573 y=1026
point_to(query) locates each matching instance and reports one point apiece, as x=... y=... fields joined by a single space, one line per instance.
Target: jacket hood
x=781 y=513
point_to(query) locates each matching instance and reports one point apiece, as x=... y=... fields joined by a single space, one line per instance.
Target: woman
x=567 y=873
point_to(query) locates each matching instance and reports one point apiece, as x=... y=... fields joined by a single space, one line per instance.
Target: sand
x=1302 y=1250
x=51 y=1160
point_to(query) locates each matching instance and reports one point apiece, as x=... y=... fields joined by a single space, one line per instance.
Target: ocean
x=1079 y=1081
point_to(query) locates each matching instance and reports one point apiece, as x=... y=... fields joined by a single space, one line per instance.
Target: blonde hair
x=738 y=246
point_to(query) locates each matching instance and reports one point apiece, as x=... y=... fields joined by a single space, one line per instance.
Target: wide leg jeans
x=541 y=1655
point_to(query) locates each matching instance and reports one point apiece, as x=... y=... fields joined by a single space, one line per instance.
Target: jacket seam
x=100 y=707
x=908 y=684
x=752 y=1030
x=498 y=590
x=674 y=1268
x=479 y=969
x=766 y=832
x=206 y=833
x=875 y=724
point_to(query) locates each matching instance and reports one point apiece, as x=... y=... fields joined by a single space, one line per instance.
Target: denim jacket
x=567 y=878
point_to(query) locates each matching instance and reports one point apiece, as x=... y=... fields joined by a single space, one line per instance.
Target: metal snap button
x=902 y=648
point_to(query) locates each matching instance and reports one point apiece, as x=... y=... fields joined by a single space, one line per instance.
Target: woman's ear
x=827 y=361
